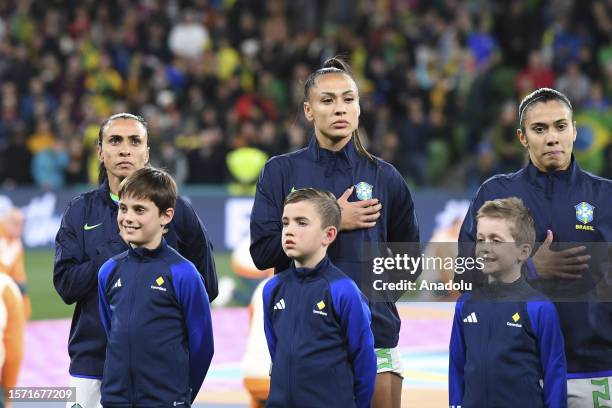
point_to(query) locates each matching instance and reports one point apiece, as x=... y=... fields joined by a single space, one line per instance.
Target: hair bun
x=337 y=63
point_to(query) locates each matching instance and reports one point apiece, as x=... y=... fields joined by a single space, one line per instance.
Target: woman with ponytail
x=375 y=201
x=89 y=236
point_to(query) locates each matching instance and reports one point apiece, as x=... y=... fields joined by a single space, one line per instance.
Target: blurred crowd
x=440 y=81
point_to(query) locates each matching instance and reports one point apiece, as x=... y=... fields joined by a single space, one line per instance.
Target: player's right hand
x=358 y=214
x=566 y=264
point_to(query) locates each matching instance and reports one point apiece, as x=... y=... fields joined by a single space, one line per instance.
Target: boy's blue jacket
x=319 y=168
x=155 y=312
x=505 y=339
x=88 y=237
x=317 y=325
x=557 y=202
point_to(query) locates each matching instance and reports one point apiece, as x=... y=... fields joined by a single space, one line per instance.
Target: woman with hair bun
x=375 y=201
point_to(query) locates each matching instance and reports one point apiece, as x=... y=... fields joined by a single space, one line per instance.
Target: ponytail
x=360 y=147
x=102 y=176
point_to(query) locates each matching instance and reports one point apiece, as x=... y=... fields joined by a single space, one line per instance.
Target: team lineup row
x=373 y=204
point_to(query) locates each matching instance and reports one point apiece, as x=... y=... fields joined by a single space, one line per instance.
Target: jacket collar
x=569 y=175
x=348 y=152
x=144 y=253
x=104 y=192
x=501 y=290
x=304 y=273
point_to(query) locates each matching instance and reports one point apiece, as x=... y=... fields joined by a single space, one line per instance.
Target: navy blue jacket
x=505 y=339
x=88 y=237
x=335 y=172
x=317 y=325
x=552 y=199
x=155 y=312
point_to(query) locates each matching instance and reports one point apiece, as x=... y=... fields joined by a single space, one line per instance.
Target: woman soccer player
x=375 y=201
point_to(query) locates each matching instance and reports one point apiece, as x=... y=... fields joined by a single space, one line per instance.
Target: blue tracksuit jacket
x=155 y=312
x=88 y=237
x=505 y=339
x=317 y=325
x=557 y=201
x=335 y=172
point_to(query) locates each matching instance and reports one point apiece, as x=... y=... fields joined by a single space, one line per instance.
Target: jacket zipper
x=291 y=377
x=130 y=372
x=489 y=322
x=548 y=193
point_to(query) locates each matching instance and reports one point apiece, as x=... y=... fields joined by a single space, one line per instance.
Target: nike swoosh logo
x=90 y=227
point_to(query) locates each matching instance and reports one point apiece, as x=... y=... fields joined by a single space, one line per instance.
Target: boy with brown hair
x=317 y=322
x=153 y=305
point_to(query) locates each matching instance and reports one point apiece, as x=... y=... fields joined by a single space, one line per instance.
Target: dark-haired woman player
x=375 y=201
x=89 y=235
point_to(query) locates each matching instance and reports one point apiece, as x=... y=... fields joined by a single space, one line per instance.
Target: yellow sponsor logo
x=159 y=281
x=321 y=305
x=516 y=317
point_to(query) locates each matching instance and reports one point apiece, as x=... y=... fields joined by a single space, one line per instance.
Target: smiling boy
x=153 y=305
x=573 y=216
x=317 y=322
x=506 y=347
x=88 y=236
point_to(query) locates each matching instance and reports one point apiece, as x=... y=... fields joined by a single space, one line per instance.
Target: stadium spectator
x=76 y=172
x=37 y=102
x=15 y=158
x=502 y=137
x=49 y=166
x=188 y=38
x=535 y=75
x=596 y=100
x=173 y=161
x=574 y=84
x=43 y=137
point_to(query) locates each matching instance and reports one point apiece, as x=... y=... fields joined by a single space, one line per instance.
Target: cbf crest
x=363 y=190
x=584 y=212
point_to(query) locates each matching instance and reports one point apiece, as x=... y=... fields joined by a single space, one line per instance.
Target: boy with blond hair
x=506 y=347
